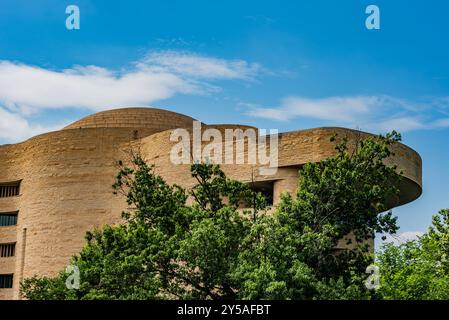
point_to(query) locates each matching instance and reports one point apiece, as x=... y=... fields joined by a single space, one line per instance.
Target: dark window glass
x=265 y=188
x=8 y=219
x=6 y=281
x=7 y=250
x=10 y=189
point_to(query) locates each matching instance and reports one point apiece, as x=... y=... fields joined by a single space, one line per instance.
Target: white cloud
x=199 y=67
x=158 y=76
x=400 y=124
x=375 y=113
x=27 y=89
x=14 y=127
x=401 y=238
x=344 y=109
x=442 y=123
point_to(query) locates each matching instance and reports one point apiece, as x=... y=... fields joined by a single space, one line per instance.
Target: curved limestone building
x=56 y=186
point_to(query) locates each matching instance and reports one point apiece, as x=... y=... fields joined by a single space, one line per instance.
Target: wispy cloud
x=442 y=123
x=196 y=66
x=402 y=237
x=342 y=109
x=158 y=76
x=14 y=127
x=374 y=113
x=27 y=89
x=401 y=124
x=260 y=18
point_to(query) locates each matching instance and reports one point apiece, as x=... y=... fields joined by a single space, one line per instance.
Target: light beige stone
x=66 y=178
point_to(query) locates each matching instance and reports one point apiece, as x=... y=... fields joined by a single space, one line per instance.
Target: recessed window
x=6 y=281
x=9 y=189
x=8 y=219
x=265 y=188
x=7 y=250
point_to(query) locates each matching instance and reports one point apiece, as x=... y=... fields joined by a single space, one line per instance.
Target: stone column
x=21 y=261
x=287 y=182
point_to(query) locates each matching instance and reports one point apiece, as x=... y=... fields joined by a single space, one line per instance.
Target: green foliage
x=291 y=254
x=418 y=269
x=212 y=249
x=46 y=288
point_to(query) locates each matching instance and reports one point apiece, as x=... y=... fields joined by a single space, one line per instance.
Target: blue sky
x=274 y=64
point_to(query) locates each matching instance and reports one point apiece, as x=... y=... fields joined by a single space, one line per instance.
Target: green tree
x=165 y=249
x=211 y=249
x=419 y=269
x=291 y=254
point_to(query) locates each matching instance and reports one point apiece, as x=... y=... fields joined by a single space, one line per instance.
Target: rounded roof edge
x=133 y=117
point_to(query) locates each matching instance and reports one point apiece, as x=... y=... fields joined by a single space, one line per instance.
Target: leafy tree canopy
x=419 y=269
x=211 y=248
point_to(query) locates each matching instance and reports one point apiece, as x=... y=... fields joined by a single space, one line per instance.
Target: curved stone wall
x=66 y=178
x=150 y=118
x=295 y=149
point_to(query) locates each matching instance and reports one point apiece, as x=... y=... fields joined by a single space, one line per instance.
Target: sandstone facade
x=58 y=184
